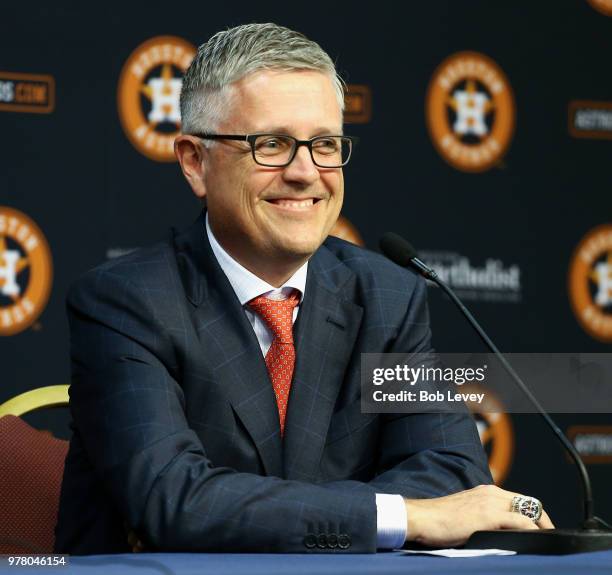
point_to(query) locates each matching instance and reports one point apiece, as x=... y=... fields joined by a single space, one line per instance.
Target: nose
x=302 y=168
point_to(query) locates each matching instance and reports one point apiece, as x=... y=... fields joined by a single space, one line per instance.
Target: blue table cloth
x=378 y=564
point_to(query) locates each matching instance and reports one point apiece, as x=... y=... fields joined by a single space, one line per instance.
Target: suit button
x=332 y=541
x=344 y=541
x=322 y=541
x=310 y=540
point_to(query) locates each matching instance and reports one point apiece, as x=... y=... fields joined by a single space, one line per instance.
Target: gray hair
x=231 y=55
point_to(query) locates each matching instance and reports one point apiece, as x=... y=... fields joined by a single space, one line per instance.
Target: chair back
x=31 y=471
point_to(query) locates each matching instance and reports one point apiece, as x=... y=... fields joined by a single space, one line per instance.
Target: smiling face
x=274 y=218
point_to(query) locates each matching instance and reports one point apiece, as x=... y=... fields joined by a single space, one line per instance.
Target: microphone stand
x=594 y=534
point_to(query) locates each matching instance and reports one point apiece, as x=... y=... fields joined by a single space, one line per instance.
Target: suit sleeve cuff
x=391 y=521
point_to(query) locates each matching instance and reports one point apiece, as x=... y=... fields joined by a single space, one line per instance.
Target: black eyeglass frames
x=279 y=150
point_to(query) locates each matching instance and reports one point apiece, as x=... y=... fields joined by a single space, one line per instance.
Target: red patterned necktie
x=280 y=359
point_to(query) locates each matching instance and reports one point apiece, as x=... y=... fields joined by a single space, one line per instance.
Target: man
x=205 y=419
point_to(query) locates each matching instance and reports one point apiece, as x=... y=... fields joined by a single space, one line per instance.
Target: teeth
x=295 y=204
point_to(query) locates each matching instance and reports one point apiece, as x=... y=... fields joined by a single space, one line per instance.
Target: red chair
x=31 y=470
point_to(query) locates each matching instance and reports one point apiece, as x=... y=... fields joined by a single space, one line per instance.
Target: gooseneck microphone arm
x=401 y=252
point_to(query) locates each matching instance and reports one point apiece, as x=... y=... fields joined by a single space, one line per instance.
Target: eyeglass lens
x=277 y=150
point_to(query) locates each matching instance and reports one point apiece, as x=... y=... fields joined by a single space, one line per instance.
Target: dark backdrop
x=74 y=172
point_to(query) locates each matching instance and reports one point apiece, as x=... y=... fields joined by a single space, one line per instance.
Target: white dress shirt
x=391 y=517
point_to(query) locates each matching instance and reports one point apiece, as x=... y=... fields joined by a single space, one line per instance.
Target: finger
x=511 y=520
x=544 y=522
x=501 y=497
x=495 y=490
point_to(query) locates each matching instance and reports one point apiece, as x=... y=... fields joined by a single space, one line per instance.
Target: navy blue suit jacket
x=175 y=425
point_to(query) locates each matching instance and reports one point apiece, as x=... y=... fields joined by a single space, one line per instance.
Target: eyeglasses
x=278 y=150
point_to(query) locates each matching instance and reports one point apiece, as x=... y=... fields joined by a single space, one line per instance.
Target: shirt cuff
x=391 y=521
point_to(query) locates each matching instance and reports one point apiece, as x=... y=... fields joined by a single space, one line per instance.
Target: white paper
x=459 y=552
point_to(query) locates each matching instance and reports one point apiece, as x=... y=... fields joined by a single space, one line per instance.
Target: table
x=375 y=564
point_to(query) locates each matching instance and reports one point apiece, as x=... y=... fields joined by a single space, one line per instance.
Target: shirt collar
x=245 y=283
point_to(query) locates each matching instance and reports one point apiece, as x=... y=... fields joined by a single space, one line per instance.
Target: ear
x=191 y=155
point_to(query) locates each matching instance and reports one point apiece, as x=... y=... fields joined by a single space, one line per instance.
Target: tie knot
x=277 y=314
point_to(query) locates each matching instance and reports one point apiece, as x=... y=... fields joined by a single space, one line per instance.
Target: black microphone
x=401 y=252
x=595 y=534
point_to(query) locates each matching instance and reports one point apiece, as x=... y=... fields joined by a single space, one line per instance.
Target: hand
x=449 y=521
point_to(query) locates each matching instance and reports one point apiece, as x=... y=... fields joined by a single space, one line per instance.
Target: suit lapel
x=229 y=342
x=325 y=333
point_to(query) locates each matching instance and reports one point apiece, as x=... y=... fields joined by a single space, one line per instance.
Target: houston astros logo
x=495 y=431
x=590 y=283
x=25 y=271
x=470 y=111
x=345 y=230
x=149 y=92
x=603 y=6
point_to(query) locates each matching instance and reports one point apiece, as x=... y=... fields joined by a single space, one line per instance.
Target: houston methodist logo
x=470 y=111
x=590 y=283
x=25 y=271
x=149 y=92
